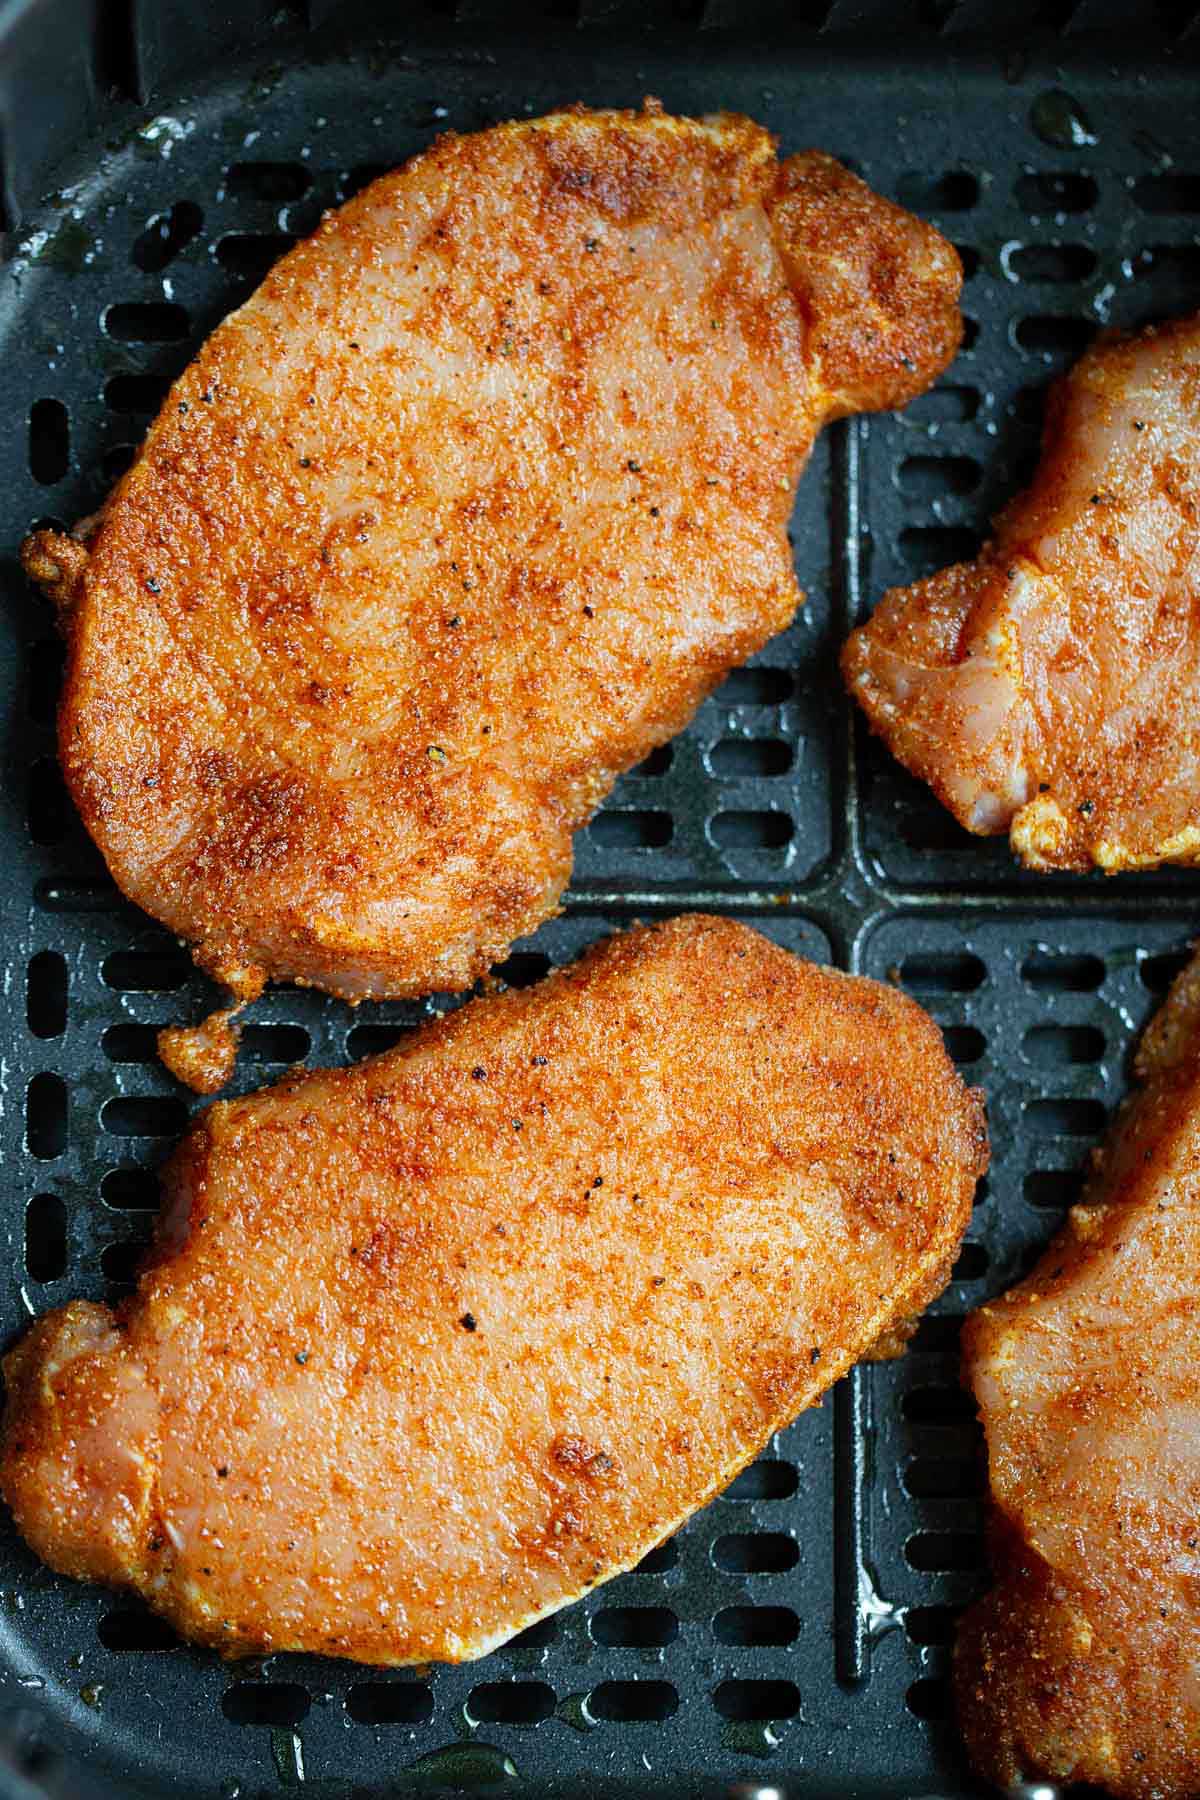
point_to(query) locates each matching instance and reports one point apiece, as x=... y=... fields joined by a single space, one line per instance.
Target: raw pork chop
x=433 y=1345
x=469 y=507
x=1050 y=689
x=1083 y=1663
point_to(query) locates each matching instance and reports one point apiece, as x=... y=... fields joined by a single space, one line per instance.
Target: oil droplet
x=752 y=1737
x=1061 y=122
x=462 y=1766
x=92 y=1694
x=33 y=1682
x=231 y=1790
x=877 y=1614
x=572 y=1709
x=288 y=1751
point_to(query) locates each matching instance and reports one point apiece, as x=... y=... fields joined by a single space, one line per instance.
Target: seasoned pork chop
x=470 y=506
x=1083 y=1663
x=430 y=1346
x=1051 y=689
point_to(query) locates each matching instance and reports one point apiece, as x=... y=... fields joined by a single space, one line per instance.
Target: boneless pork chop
x=1050 y=689
x=472 y=503
x=1083 y=1663
x=430 y=1346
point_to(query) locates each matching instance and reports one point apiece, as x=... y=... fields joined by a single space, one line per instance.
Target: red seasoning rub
x=430 y=1346
x=468 y=508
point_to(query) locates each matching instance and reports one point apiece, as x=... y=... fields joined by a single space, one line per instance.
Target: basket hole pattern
x=166 y=234
x=46 y=994
x=390 y=1703
x=635 y=1627
x=275 y=1703
x=49 y=441
x=753 y=1627
x=1056 y=191
x=132 y=1629
x=511 y=1702
x=45 y=1238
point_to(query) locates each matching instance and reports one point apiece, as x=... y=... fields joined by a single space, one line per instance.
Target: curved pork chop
x=470 y=506
x=1051 y=689
x=1083 y=1664
x=433 y=1345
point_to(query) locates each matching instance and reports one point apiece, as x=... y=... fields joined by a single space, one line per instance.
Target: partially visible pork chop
x=431 y=1346
x=1083 y=1663
x=470 y=506
x=1051 y=689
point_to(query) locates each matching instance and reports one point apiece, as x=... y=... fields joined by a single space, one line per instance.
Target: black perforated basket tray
x=797 y=1631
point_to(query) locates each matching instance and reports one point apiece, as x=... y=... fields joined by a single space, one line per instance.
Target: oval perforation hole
x=964 y=1043
x=1054 y=191
x=1054 y=1188
x=49 y=441
x=537 y=1636
x=749 y=759
x=927 y=548
x=756 y=1627
x=659 y=1560
x=511 y=1702
x=655 y=765
x=1066 y=1117
x=127 y=1628
x=274 y=182
x=752 y=830
x=144 y=1116
x=158 y=971
x=46 y=994
x=1060 y=1046
x=372 y=1039
x=1169 y=262
x=633 y=1702
x=755 y=687
x=955 y=190
x=115 y=460
x=950 y=405
x=250 y=254
x=146 y=322
x=46 y=1116
x=1058 y=971
x=930 y=478
x=938 y=1404
x=131 y=1190
x=524 y=968
x=755 y=1552
x=1054 y=334
x=1158 y=972
x=278 y=1703
x=166 y=234
x=765 y=1480
x=943 y=972
x=390 y=1703
x=275 y=1043
x=49 y=805
x=757 y=1699
x=121 y=1262
x=45 y=1238
x=971 y=1264
x=929 y=1698
x=1052 y=263
x=944 y=1478
x=932 y=1624
x=628 y=830
x=937 y=1332
x=140 y=394
x=944 y=1552
x=43 y=679
x=1173 y=192
x=635 y=1627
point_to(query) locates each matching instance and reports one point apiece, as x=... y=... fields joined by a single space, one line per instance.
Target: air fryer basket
x=797 y=1631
